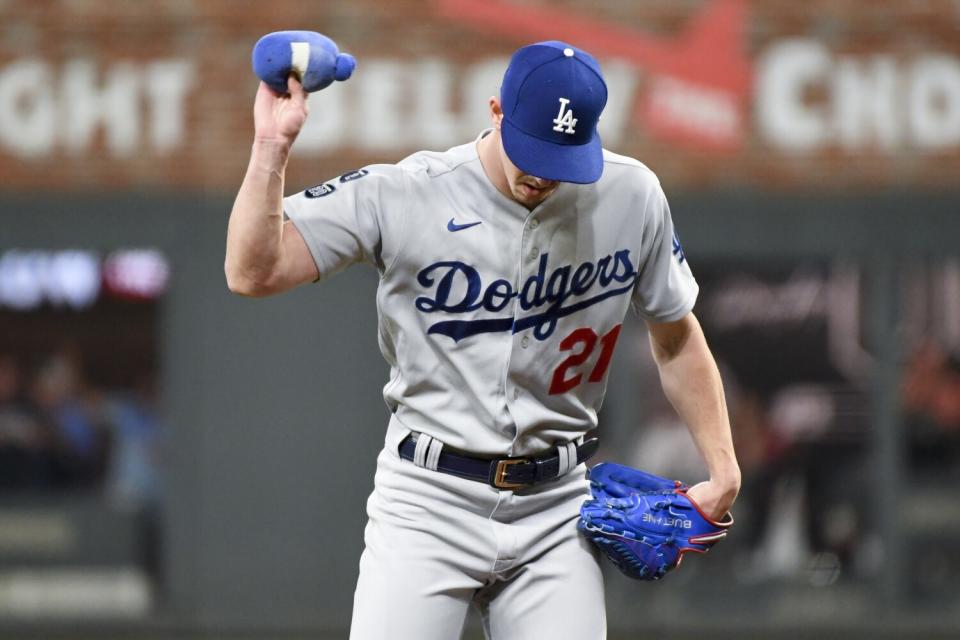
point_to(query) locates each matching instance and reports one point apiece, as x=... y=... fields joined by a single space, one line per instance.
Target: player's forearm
x=692 y=383
x=255 y=230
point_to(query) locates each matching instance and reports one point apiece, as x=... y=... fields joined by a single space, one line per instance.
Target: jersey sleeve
x=665 y=289
x=358 y=217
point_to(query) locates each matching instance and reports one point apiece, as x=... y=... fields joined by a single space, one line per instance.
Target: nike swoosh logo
x=453 y=226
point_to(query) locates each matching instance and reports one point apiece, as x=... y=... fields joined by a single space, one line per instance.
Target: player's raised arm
x=264 y=255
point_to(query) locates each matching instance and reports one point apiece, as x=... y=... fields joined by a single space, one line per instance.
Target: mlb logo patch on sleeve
x=320 y=190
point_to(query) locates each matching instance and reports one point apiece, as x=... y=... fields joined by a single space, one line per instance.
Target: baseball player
x=507 y=265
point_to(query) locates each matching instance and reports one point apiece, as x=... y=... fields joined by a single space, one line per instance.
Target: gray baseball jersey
x=499 y=322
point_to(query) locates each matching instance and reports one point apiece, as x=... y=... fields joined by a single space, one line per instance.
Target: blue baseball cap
x=552 y=96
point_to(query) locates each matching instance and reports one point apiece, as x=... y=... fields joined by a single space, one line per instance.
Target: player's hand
x=279 y=117
x=714 y=497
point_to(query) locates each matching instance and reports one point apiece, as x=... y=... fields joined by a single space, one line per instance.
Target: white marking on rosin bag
x=299 y=58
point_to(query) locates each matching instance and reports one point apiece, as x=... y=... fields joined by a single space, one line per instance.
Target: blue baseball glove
x=645 y=523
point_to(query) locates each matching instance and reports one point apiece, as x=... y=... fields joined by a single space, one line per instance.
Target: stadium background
x=177 y=462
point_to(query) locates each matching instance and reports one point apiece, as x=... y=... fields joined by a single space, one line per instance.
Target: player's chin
x=529 y=194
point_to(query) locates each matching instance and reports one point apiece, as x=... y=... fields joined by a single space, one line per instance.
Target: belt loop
x=572 y=455
x=564 y=457
x=433 y=455
x=420 y=453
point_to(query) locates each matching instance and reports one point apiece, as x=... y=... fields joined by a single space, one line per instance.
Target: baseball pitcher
x=507 y=265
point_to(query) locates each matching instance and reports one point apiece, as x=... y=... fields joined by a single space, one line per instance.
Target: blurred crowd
x=61 y=432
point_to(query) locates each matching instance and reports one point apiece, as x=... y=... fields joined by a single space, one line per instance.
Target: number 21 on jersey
x=582 y=343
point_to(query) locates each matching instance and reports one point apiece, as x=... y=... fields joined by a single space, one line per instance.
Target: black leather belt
x=502 y=473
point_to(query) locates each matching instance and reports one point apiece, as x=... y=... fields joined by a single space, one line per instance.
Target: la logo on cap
x=565 y=118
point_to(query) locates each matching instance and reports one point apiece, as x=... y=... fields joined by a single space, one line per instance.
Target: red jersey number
x=582 y=342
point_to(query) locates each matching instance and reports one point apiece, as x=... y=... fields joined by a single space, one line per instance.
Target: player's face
x=526 y=189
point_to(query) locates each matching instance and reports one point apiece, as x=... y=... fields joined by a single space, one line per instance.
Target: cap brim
x=582 y=163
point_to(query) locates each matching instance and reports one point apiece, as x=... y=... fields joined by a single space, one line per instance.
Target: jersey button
x=534 y=223
x=534 y=253
x=525 y=341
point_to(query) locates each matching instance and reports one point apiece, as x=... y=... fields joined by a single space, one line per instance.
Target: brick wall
x=157 y=94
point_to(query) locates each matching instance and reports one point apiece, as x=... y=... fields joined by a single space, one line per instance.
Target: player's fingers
x=711 y=500
x=297 y=94
x=264 y=102
x=264 y=92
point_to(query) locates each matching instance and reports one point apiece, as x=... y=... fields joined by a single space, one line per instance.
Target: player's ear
x=496 y=112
